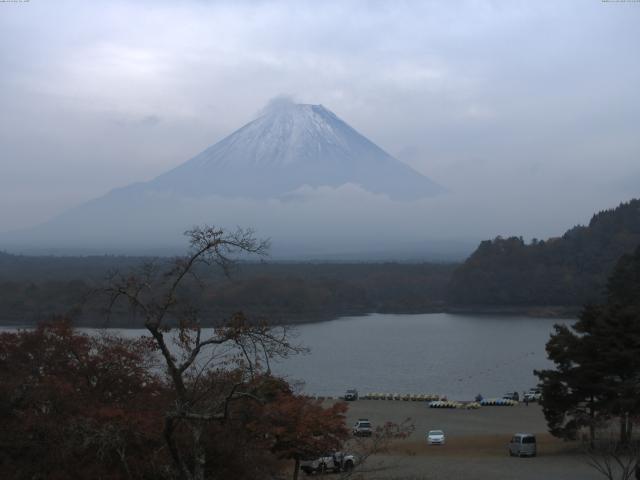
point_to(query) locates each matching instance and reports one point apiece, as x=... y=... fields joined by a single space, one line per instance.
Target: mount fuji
x=295 y=170
x=290 y=146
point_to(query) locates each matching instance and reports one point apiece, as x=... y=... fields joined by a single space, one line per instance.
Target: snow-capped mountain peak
x=290 y=145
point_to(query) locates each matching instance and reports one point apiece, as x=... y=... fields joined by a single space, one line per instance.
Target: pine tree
x=597 y=374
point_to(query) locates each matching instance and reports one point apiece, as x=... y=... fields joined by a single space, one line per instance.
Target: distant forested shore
x=553 y=277
x=33 y=288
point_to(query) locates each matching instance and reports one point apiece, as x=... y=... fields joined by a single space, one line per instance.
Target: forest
x=571 y=270
x=33 y=288
x=505 y=273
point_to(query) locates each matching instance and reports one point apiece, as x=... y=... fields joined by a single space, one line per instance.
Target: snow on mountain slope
x=289 y=147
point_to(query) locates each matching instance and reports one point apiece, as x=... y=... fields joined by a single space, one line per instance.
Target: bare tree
x=612 y=458
x=365 y=448
x=208 y=369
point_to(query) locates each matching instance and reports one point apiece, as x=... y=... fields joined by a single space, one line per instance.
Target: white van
x=523 y=444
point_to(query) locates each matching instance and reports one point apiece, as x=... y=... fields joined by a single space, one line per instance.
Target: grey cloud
x=278 y=102
x=150 y=120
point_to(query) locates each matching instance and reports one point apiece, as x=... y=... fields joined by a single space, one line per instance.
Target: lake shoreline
x=530 y=311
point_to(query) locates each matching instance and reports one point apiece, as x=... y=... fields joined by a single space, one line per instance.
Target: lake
x=454 y=355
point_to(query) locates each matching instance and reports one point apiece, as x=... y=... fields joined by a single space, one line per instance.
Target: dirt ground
x=476 y=444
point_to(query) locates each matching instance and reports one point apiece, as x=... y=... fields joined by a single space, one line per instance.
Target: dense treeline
x=32 y=288
x=571 y=270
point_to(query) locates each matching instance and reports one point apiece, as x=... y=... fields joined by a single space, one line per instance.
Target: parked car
x=533 y=395
x=363 y=428
x=332 y=461
x=512 y=396
x=523 y=445
x=435 y=437
x=351 y=395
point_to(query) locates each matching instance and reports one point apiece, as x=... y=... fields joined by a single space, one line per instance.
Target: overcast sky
x=529 y=109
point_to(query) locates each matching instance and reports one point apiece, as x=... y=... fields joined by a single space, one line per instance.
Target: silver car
x=523 y=444
x=435 y=437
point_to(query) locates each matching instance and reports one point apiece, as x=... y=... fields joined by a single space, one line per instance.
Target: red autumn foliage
x=302 y=427
x=76 y=406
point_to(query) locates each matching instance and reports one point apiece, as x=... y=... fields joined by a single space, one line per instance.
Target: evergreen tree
x=597 y=374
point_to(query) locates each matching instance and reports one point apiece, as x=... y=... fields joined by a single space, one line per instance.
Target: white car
x=363 y=428
x=435 y=437
x=532 y=395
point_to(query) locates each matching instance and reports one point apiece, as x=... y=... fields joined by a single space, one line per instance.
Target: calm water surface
x=454 y=355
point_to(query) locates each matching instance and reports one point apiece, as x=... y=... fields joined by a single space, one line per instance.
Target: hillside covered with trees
x=568 y=271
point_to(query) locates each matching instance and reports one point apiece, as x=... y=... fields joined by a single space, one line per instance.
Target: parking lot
x=476 y=444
